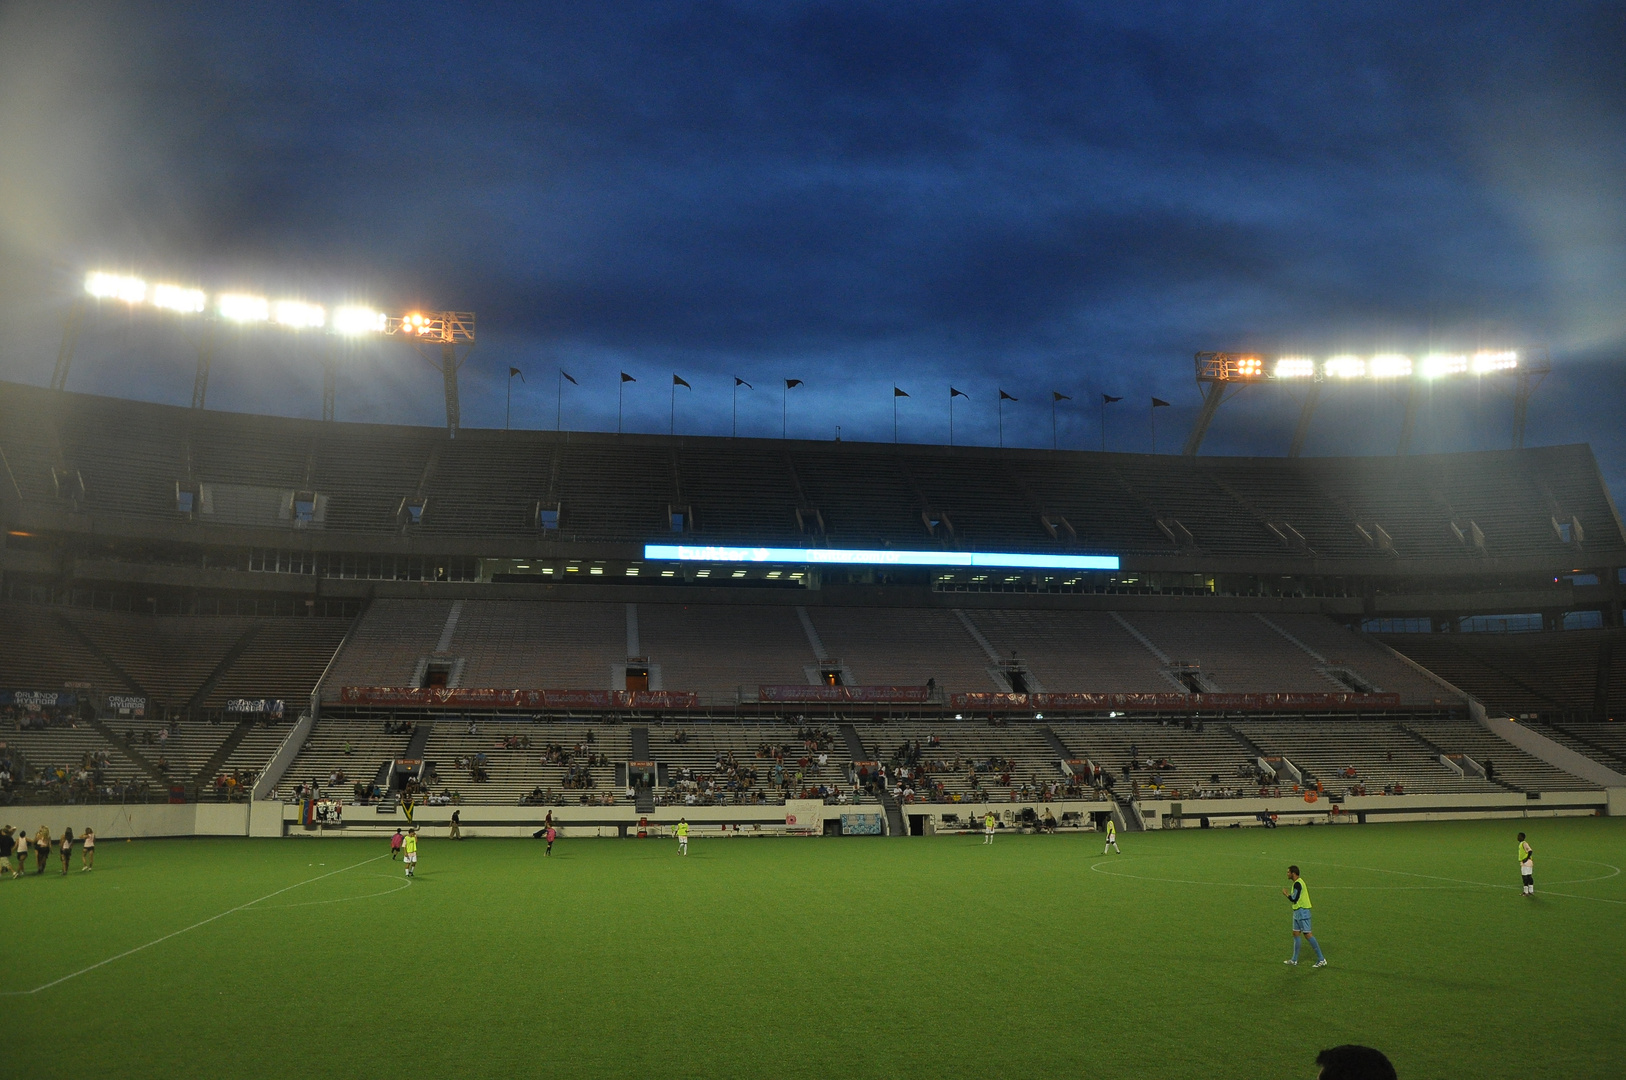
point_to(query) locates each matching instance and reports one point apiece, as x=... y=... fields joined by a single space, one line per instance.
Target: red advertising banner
x=1177 y=702
x=473 y=698
x=905 y=695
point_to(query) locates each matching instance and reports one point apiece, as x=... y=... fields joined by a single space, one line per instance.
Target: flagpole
x=559 y=403
x=951 y=416
x=736 y=432
x=671 y=415
x=508 y=413
x=619 y=387
x=1154 y=429
x=1103 y=423
x=784 y=409
x=894 y=414
x=1002 y=419
x=1052 y=420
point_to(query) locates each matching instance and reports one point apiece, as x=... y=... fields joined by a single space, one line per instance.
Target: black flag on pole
x=571 y=379
x=516 y=371
x=1159 y=403
x=741 y=382
x=1109 y=399
x=1003 y=396
x=1057 y=395
x=679 y=380
x=899 y=393
x=627 y=378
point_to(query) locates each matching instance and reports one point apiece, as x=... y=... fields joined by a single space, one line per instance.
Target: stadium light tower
x=449 y=329
x=1220 y=375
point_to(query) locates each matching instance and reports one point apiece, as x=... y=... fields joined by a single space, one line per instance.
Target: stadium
x=967 y=540
x=244 y=626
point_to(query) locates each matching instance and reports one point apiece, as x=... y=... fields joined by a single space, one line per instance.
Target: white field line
x=183 y=930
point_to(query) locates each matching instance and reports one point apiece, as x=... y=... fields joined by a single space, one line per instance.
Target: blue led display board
x=877 y=557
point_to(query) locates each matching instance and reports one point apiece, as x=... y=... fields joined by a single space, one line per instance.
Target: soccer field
x=1036 y=956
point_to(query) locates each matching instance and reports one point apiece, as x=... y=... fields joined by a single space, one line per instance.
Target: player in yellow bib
x=682 y=831
x=1112 y=837
x=1298 y=894
x=988 y=828
x=1527 y=866
x=409 y=850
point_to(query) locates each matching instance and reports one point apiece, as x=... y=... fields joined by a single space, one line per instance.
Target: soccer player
x=395 y=844
x=1298 y=894
x=988 y=828
x=1112 y=837
x=409 y=851
x=553 y=834
x=1527 y=866
x=683 y=836
x=88 y=852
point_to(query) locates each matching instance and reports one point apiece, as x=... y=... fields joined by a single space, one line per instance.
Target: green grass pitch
x=855 y=957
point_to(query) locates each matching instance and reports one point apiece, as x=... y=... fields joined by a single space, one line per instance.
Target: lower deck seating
x=1207 y=758
x=1381 y=753
x=1512 y=765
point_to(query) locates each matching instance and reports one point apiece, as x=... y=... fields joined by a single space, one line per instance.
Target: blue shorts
x=1301 y=919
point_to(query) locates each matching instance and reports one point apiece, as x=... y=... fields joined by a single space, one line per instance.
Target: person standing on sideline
x=1112 y=837
x=552 y=834
x=8 y=843
x=988 y=828
x=1298 y=894
x=395 y=844
x=457 y=825
x=409 y=851
x=87 y=851
x=683 y=836
x=42 y=849
x=1527 y=866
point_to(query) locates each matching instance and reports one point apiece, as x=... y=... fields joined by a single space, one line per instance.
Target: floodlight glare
x=1250 y=367
x=872 y=557
x=131 y=290
x=178 y=298
x=299 y=316
x=1485 y=361
x=1295 y=367
x=1436 y=365
x=356 y=321
x=1345 y=367
x=244 y=309
x=1390 y=366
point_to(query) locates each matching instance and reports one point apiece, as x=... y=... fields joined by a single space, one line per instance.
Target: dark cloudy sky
x=996 y=195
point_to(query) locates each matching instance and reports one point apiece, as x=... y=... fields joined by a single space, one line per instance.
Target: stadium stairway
x=855 y=745
x=643 y=797
x=101 y=654
x=211 y=768
x=1054 y=742
x=153 y=772
x=895 y=825
x=212 y=680
x=1593 y=749
x=1441 y=752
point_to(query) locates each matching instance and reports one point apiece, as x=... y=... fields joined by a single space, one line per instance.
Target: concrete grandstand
x=265 y=613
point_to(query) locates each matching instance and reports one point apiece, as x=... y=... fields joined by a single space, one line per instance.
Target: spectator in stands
x=1351 y=1062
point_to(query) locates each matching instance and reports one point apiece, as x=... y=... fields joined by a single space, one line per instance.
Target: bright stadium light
x=1345 y=367
x=1438 y=365
x=1250 y=367
x=356 y=321
x=297 y=315
x=1486 y=361
x=131 y=290
x=1390 y=366
x=238 y=307
x=179 y=298
x=1295 y=367
x=875 y=557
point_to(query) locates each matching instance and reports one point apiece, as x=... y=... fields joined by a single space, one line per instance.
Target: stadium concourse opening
x=322 y=626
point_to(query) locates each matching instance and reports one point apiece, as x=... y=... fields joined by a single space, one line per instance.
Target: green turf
x=1035 y=957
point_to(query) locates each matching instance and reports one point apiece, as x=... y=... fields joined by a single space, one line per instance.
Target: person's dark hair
x=1351 y=1062
x=1293 y=870
x=1521 y=836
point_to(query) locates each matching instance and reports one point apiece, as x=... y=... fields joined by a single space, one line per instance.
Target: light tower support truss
x=448 y=329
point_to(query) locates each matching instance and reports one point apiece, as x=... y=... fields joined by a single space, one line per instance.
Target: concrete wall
x=1555 y=754
x=145 y=820
x=1377 y=808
